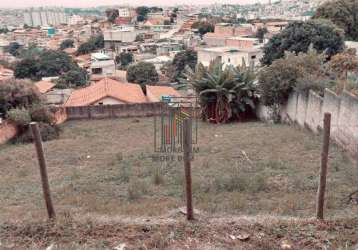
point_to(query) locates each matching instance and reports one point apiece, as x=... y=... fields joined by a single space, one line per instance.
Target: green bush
x=300 y=72
x=42 y=114
x=19 y=116
x=47 y=132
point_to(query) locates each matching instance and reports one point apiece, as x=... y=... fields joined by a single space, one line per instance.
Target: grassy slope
x=104 y=167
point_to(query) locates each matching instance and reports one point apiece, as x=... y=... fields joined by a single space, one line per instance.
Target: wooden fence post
x=187 y=144
x=323 y=172
x=43 y=171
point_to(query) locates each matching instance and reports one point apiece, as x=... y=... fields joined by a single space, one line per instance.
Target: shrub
x=19 y=116
x=17 y=94
x=47 y=132
x=136 y=188
x=42 y=114
x=301 y=72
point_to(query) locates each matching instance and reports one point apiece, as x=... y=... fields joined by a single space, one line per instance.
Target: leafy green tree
x=94 y=43
x=142 y=73
x=68 y=43
x=46 y=63
x=73 y=78
x=143 y=12
x=225 y=93
x=203 y=27
x=260 y=34
x=14 y=49
x=302 y=72
x=343 y=13
x=54 y=63
x=124 y=59
x=17 y=94
x=112 y=14
x=298 y=36
x=26 y=68
x=32 y=51
x=141 y=18
x=181 y=60
x=4 y=30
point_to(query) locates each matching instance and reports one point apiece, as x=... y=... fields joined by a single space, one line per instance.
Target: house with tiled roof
x=107 y=92
x=44 y=86
x=155 y=93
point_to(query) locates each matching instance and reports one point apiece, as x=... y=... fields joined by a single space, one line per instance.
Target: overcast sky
x=92 y=3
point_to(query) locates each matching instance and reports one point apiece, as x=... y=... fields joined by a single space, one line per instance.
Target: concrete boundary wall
x=308 y=111
x=7 y=131
x=63 y=114
x=114 y=111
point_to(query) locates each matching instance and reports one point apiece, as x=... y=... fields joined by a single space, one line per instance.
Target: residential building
x=159 y=61
x=44 y=86
x=229 y=56
x=107 y=92
x=124 y=12
x=352 y=45
x=224 y=31
x=75 y=20
x=166 y=48
x=272 y=27
x=43 y=17
x=242 y=42
x=102 y=64
x=155 y=93
x=114 y=38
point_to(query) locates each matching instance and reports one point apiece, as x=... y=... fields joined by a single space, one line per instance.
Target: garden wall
x=114 y=111
x=7 y=131
x=308 y=111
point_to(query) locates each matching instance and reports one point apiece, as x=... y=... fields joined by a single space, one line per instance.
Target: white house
x=102 y=64
x=229 y=55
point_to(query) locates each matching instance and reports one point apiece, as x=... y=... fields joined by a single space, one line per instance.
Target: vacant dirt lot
x=241 y=233
x=105 y=167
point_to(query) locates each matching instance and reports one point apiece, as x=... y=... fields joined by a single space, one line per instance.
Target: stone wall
x=308 y=111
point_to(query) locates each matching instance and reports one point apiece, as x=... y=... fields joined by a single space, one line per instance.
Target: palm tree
x=225 y=93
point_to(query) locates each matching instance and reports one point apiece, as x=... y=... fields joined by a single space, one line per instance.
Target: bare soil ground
x=105 y=168
x=246 y=233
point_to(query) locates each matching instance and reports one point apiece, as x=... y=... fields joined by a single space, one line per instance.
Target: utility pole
x=187 y=143
x=43 y=169
x=324 y=161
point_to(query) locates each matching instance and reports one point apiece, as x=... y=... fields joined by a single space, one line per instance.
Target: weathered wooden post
x=187 y=145
x=43 y=171
x=324 y=161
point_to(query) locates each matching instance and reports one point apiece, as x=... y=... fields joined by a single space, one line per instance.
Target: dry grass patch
x=105 y=167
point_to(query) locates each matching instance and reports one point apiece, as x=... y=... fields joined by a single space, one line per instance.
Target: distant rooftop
x=100 y=57
x=229 y=49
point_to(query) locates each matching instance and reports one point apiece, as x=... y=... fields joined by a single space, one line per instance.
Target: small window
x=97 y=71
x=228 y=60
x=100 y=103
x=253 y=57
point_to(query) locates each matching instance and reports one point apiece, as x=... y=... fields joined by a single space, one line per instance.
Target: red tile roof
x=123 y=92
x=155 y=93
x=44 y=86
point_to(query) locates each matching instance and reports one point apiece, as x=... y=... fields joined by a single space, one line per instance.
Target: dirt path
x=173 y=232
